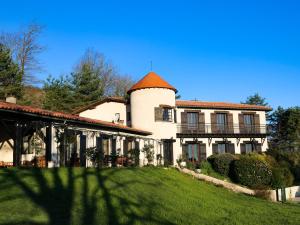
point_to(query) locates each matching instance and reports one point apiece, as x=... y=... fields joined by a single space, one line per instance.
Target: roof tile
x=151 y=80
x=220 y=105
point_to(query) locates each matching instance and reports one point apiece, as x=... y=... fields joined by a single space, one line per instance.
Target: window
x=221 y=121
x=192 y=120
x=248 y=122
x=249 y=147
x=105 y=146
x=193 y=152
x=167 y=114
x=117 y=117
x=221 y=148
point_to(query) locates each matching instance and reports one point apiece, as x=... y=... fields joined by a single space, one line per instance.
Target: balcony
x=221 y=130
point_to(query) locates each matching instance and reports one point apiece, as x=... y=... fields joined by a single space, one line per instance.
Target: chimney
x=11 y=99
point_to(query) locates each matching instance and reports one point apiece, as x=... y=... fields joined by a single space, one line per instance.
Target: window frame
x=167 y=115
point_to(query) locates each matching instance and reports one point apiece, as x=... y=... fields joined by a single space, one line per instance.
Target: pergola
x=17 y=122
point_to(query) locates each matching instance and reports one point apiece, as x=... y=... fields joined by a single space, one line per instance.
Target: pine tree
x=58 y=95
x=256 y=99
x=10 y=76
x=86 y=85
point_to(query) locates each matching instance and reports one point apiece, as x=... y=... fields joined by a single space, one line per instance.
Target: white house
x=192 y=130
x=121 y=127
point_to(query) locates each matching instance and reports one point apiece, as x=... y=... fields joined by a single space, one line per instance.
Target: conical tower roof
x=151 y=80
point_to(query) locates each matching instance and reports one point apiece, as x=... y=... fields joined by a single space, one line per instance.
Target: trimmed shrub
x=222 y=163
x=251 y=172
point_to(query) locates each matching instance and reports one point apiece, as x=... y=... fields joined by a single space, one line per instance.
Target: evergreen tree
x=285 y=129
x=58 y=95
x=10 y=76
x=256 y=99
x=86 y=85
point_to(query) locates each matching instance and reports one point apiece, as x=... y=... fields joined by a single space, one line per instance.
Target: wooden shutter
x=183 y=122
x=100 y=151
x=257 y=123
x=243 y=148
x=230 y=123
x=185 y=155
x=136 y=153
x=215 y=148
x=175 y=116
x=82 y=154
x=201 y=119
x=158 y=113
x=230 y=148
x=213 y=118
x=241 y=123
x=202 y=152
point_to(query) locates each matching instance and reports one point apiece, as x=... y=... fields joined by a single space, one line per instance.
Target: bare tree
x=25 y=48
x=122 y=84
x=101 y=67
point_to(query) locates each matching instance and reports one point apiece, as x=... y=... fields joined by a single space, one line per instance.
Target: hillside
x=128 y=196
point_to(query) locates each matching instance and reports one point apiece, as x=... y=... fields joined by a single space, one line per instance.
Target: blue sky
x=209 y=50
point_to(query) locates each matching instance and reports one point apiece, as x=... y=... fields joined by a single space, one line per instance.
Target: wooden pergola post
x=48 y=143
x=18 y=145
x=82 y=150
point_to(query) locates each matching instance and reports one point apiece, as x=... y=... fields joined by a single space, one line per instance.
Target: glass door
x=192 y=120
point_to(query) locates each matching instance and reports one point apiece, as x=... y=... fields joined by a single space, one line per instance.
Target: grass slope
x=128 y=196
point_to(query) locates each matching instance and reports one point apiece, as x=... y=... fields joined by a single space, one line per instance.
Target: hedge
x=222 y=163
x=251 y=172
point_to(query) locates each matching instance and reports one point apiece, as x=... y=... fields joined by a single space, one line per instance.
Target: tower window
x=167 y=114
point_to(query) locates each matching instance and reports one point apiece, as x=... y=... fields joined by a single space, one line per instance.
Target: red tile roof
x=151 y=80
x=99 y=102
x=219 y=105
x=5 y=106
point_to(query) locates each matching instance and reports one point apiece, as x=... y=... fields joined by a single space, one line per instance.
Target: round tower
x=152 y=102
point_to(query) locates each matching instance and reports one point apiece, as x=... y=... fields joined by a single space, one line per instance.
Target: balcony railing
x=208 y=128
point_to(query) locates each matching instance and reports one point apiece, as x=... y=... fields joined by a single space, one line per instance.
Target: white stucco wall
x=106 y=112
x=6 y=152
x=143 y=103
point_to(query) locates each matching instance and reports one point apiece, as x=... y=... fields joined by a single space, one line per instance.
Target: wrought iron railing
x=209 y=128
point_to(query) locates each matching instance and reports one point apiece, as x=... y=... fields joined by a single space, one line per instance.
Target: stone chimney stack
x=11 y=99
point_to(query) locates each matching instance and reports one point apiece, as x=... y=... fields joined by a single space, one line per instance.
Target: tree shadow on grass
x=57 y=196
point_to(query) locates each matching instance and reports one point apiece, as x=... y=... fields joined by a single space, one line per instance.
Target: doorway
x=168 y=152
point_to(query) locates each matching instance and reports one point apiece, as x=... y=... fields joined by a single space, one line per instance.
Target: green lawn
x=128 y=196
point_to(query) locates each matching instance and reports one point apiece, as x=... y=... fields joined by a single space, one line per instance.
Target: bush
x=296 y=172
x=190 y=165
x=281 y=177
x=211 y=159
x=251 y=172
x=222 y=163
x=206 y=168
